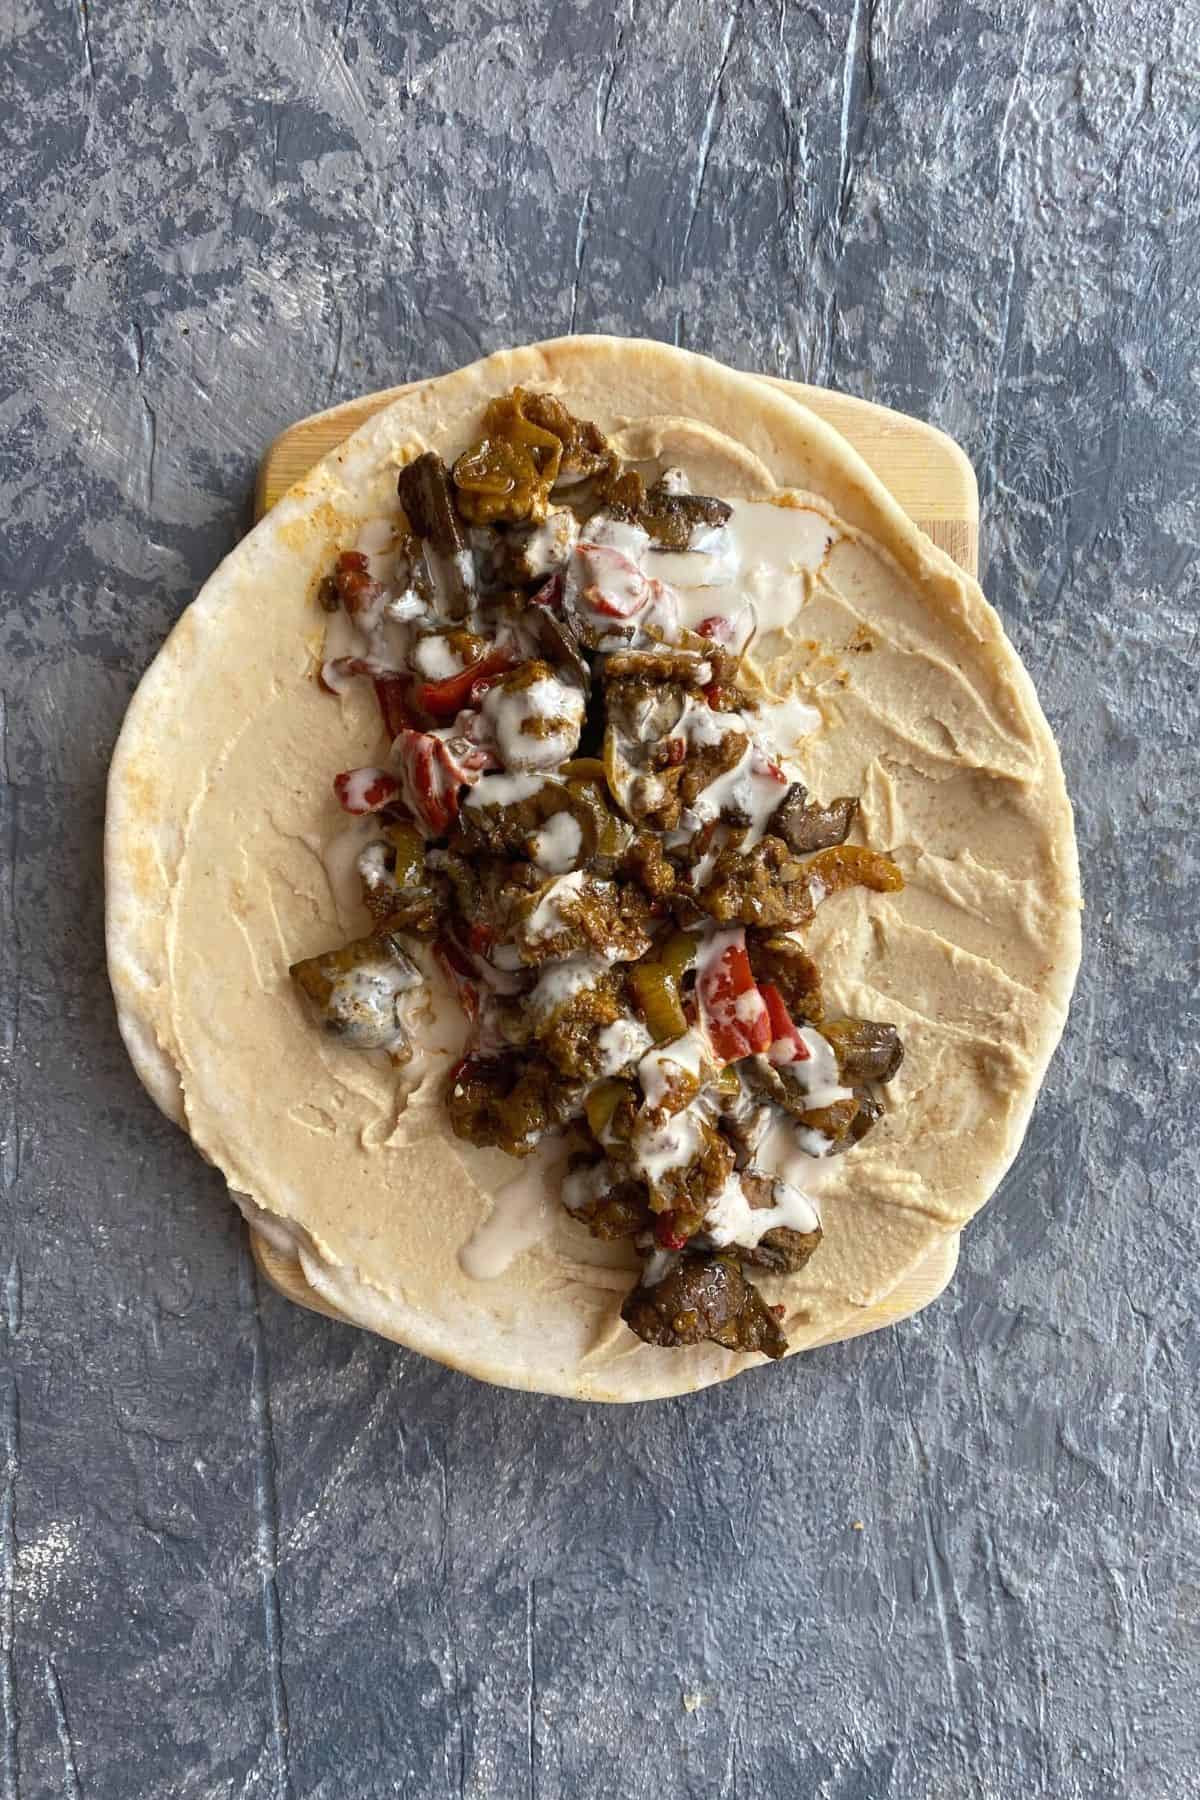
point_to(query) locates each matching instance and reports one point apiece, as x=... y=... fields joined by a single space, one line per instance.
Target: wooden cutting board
x=927 y=472
x=933 y=481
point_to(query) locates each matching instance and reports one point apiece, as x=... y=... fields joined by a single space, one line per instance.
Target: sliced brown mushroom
x=425 y=494
x=357 y=991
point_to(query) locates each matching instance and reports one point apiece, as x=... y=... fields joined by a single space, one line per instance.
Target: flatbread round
x=220 y=800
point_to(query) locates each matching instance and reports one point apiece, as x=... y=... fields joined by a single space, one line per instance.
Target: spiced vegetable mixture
x=590 y=815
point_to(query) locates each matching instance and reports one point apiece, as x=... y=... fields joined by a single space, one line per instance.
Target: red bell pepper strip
x=460 y=975
x=612 y=583
x=432 y=775
x=392 y=693
x=732 y=1009
x=762 y=764
x=665 y=1233
x=391 y=687
x=731 y=629
x=786 y=1046
x=718 y=627
x=549 y=594
x=446 y=699
x=356 y=590
x=366 y=790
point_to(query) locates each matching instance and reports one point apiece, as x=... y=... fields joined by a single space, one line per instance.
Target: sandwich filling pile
x=591 y=826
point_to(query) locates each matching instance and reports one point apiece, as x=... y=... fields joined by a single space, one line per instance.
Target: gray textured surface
x=245 y=1552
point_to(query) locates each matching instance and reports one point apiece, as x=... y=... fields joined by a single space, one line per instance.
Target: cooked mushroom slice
x=870 y=1111
x=357 y=992
x=558 y=643
x=745 y=1119
x=781 y=960
x=533 y=717
x=783 y=1249
x=656 y=760
x=768 y=886
x=608 y=1207
x=528 y=553
x=509 y=1101
x=791 y=1089
x=577 y=912
x=677 y=521
x=866 y=1050
x=643 y=711
x=703 y=1299
x=424 y=489
x=805 y=826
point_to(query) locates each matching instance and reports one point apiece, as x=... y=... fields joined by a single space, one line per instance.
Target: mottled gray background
x=246 y=1552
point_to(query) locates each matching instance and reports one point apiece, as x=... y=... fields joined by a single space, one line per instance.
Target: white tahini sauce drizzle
x=557 y=845
x=818 y=1077
x=792 y=1152
x=767 y=553
x=339 y=858
x=546 y=918
x=781 y=724
x=504 y=790
x=748 y=789
x=376 y=541
x=731 y=1219
x=658 y=1264
x=433 y=657
x=560 y=982
x=436 y=1020
x=621 y=1043
x=670 y=1144
x=519 y=1217
x=507 y=710
x=660 y=1067
x=584 y=1184
x=547 y=546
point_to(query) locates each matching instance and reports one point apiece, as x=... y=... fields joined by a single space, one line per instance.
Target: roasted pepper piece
x=786 y=1046
x=601 y=1105
x=446 y=699
x=508 y=474
x=734 y=1012
x=657 y=993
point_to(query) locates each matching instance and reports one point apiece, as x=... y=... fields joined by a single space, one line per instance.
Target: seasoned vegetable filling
x=590 y=818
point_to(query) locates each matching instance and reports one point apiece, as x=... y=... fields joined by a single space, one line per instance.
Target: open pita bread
x=220 y=801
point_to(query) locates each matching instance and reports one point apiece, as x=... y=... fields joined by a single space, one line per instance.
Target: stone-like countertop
x=247 y=1553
